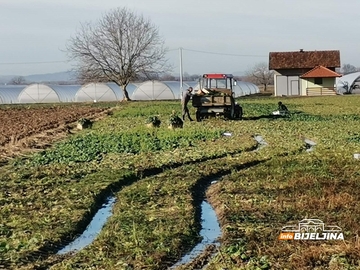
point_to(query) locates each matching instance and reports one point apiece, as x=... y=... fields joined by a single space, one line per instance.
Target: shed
x=290 y=66
x=319 y=81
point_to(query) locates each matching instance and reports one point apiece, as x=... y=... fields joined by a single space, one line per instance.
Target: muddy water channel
x=92 y=230
x=210 y=231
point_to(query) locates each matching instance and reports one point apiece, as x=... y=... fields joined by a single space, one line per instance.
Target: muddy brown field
x=33 y=127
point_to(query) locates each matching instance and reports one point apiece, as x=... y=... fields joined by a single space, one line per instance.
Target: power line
x=191 y=50
x=229 y=54
x=31 y=63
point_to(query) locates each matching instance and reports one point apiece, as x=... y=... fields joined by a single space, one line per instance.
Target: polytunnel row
x=97 y=92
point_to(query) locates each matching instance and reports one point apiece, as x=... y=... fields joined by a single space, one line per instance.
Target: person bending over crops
x=282 y=107
x=184 y=101
x=282 y=110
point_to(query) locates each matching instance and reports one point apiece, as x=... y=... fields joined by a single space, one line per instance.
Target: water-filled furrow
x=92 y=230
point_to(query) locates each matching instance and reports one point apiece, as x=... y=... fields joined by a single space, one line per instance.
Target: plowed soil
x=37 y=126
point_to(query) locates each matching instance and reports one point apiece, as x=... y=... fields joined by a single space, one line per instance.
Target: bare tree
x=120 y=48
x=260 y=75
x=347 y=68
x=17 y=80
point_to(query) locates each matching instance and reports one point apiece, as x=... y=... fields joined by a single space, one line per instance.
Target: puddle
x=309 y=145
x=210 y=232
x=261 y=143
x=92 y=230
x=228 y=134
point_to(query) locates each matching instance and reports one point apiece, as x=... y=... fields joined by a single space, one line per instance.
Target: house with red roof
x=304 y=73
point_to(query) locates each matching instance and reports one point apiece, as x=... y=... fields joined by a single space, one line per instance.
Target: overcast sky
x=216 y=35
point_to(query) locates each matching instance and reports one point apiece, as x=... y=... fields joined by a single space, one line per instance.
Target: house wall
x=287 y=85
x=287 y=82
x=327 y=82
x=304 y=85
x=275 y=84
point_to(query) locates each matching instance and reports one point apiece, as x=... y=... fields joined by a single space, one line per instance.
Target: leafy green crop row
x=93 y=146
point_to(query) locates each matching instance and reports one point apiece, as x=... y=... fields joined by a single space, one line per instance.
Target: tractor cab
x=216 y=97
x=217 y=83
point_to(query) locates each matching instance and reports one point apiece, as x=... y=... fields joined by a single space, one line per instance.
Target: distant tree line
x=347 y=69
x=20 y=80
x=17 y=80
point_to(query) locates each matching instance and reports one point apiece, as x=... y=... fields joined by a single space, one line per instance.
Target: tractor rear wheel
x=238 y=111
x=198 y=115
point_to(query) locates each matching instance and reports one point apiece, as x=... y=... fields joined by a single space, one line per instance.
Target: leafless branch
x=260 y=75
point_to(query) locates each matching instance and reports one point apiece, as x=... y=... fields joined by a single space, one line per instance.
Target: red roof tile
x=320 y=72
x=304 y=59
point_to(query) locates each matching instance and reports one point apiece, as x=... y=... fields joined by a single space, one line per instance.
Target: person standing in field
x=184 y=101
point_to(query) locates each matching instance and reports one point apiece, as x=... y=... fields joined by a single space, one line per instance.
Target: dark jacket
x=282 y=107
x=185 y=98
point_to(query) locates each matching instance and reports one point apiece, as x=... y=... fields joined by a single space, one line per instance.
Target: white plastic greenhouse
x=245 y=88
x=348 y=80
x=9 y=94
x=155 y=90
x=95 y=92
x=66 y=93
x=42 y=93
x=160 y=90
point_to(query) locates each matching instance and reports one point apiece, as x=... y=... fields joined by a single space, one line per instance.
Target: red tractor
x=216 y=97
